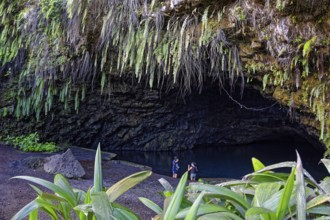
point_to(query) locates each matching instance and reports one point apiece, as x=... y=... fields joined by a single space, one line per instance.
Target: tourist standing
x=193 y=171
x=175 y=167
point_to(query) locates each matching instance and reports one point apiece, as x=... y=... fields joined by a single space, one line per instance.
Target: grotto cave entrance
x=222 y=136
x=232 y=161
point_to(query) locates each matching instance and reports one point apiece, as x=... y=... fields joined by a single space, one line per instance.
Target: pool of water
x=230 y=161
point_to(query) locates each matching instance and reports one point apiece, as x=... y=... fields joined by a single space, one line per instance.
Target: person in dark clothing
x=175 y=167
x=193 y=171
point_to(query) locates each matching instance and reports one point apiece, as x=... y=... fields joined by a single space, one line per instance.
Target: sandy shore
x=17 y=193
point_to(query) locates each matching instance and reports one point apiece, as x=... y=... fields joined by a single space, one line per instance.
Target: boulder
x=65 y=164
x=33 y=162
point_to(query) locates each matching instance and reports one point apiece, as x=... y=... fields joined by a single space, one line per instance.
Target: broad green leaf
x=288 y=164
x=273 y=202
x=268 y=177
x=257 y=165
x=127 y=183
x=318 y=201
x=222 y=192
x=325 y=184
x=322 y=218
x=166 y=204
x=202 y=210
x=48 y=207
x=65 y=209
x=300 y=188
x=34 y=214
x=265 y=213
x=192 y=213
x=46 y=203
x=84 y=208
x=320 y=210
x=167 y=186
x=176 y=199
x=151 y=205
x=85 y=213
x=52 y=197
x=98 y=179
x=186 y=203
x=286 y=195
x=124 y=212
x=26 y=210
x=279 y=176
x=38 y=191
x=101 y=206
x=118 y=215
x=236 y=183
x=264 y=191
x=88 y=197
x=220 y=215
x=238 y=208
x=61 y=192
x=80 y=195
x=62 y=182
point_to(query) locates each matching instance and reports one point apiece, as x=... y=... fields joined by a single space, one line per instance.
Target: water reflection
x=230 y=161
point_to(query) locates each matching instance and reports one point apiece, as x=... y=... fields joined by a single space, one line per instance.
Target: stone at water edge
x=33 y=162
x=65 y=164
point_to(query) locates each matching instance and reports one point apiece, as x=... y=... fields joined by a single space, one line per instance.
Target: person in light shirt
x=193 y=171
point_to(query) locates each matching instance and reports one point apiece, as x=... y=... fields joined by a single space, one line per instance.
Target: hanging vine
x=299 y=48
x=69 y=44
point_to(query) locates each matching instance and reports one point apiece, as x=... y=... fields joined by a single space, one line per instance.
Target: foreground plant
x=263 y=194
x=69 y=203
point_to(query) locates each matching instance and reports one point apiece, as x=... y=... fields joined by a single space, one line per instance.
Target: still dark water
x=230 y=161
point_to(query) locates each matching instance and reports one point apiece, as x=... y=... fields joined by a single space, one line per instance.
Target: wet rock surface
x=136 y=118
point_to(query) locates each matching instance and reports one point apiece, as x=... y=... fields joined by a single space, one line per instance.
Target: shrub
x=263 y=194
x=30 y=143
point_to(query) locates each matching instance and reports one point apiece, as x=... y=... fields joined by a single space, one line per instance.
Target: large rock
x=33 y=162
x=65 y=164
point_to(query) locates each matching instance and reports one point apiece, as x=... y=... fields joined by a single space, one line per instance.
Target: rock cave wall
x=134 y=117
x=280 y=48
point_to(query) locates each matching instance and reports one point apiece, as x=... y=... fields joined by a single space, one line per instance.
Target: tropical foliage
x=67 y=202
x=263 y=194
x=31 y=143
